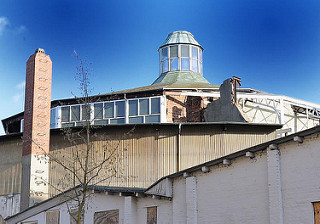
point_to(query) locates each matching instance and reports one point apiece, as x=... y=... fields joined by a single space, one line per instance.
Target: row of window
x=108 y=216
x=181 y=57
x=143 y=110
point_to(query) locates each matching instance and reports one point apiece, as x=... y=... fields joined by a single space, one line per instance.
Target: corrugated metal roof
x=181 y=77
x=181 y=37
x=172 y=85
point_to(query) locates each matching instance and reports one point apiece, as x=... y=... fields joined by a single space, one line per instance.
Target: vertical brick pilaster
x=129 y=210
x=36 y=132
x=274 y=187
x=191 y=200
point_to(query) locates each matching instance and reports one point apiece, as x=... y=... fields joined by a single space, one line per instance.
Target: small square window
x=144 y=106
x=120 y=109
x=164 y=53
x=85 y=112
x=152 y=119
x=184 y=51
x=117 y=121
x=195 y=52
x=174 y=64
x=173 y=51
x=75 y=113
x=165 y=66
x=136 y=120
x=133 y=107
x=109 y=110
x=98 y=111
x=185 y=64
x=65 y=114
x=53 y=116
x=101 y=122
x=155 y=105
x=195 y=65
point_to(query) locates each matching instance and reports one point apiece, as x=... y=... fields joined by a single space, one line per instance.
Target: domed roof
x=180 y=37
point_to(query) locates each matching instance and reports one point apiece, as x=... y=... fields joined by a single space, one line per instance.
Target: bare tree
x=82 y=164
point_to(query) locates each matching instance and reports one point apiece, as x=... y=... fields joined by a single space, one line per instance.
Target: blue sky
x=274 y=46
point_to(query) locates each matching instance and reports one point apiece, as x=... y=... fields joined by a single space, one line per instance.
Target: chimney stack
x=36 y=132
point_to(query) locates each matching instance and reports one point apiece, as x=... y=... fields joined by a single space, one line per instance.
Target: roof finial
x=39 y=50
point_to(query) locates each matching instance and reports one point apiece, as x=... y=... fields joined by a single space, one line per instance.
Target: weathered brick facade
x=36 y=133
x=182 y=108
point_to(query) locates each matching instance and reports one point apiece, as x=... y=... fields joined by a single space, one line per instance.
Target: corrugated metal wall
x=199 y=145
x=10 y=166
x=151 y=152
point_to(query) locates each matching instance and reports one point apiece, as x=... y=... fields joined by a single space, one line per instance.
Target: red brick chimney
x=36 y=133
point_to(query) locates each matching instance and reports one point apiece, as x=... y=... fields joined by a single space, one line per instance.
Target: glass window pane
x=67 y=125
x=109 y=110
x=185 y=65
x=101 y=122
x=164 y=53
x=53 y=116
x=165 y=66
x=184 y=51
x=144 y=106
x=174 y=64
x=152 y=119
x=194 y=52
x=65 y=114
x=120 y=110
x=117 y=121
x=136 y=120
x=98 y=112
x=200 y=68
x=155 y=105
x=81 y=123
x=173 y=51
x=133 y=107
x=75 y=113
x=195 y=65
x=85 y=112
x=200 y=55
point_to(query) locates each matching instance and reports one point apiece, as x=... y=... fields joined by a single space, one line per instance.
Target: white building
x=274 y=182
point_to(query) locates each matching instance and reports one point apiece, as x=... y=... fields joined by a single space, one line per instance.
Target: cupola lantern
x=180 y=52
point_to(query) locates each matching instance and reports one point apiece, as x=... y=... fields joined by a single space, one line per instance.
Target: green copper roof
x=180 y=77
x=181 y=37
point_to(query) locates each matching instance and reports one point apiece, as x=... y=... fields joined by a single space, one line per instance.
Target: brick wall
x=182 y=108
x=37 y=104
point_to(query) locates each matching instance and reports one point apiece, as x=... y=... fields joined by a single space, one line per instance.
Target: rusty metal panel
x=152 y=215
x=316 y=207
x=106 y=217
x=53 y=217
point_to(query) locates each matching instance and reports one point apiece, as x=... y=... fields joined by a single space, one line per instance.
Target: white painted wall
x=276 y=186
x=9 y=204
x=235 y=193
x=300 y=170
x=164 y=209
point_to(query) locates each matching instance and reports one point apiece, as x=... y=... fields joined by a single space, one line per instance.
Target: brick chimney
x=36 y=133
